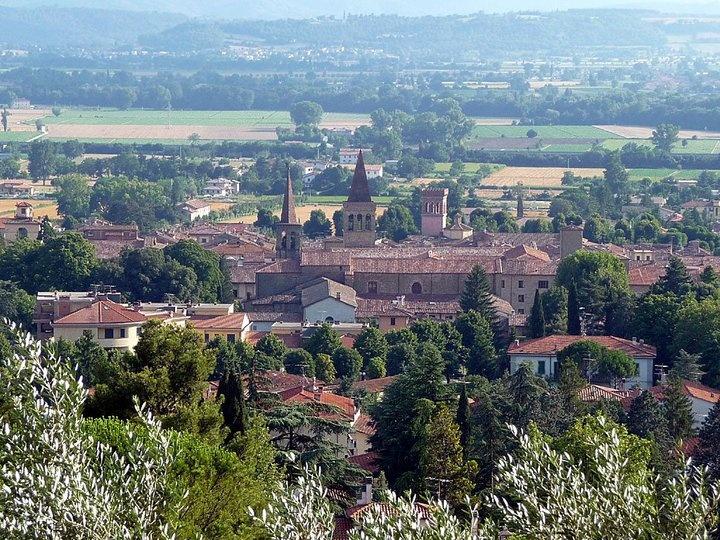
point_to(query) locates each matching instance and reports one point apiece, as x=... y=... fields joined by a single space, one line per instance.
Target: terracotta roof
x=195 y=204
x=111 y=249
x=288 y=209
x=367 y=462
x=102 y=312
x=700 y=391
x=273 y=316
x=645 y=275
x=523 y=250
x=426 y=263
x=283 y=266
x=374 y=386
x=359 y=189
x=299 y=394
x=596 y=392
x=365 y=425
x=278 y=381
x=550 y=345
x=24 y=204
x=233 y=321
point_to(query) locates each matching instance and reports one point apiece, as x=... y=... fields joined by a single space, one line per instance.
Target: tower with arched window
x=288 y=231
x=359 y=210
x=433 y=211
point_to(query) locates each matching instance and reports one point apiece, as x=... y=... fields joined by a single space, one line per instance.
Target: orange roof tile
x=102 y=312
x=550 y=345
x=232 y=321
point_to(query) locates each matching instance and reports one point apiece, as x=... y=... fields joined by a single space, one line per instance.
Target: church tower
x=359 y=210
x=288 y=231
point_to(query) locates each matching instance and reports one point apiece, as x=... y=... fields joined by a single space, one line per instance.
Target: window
x=358 y=218
x=372 y=287
x=502 y=283
x=207 y=338
x=543 y=284
x=235 y=294
x=392 y=321
x=368 y=222
x=521 y=311
x=109 y=333
x=521 y=284
x=231 y=338
x=247 y=295
x=123 y=334
x=521 y=297
x=416 y=288
x=541 y=367
x=351 y=222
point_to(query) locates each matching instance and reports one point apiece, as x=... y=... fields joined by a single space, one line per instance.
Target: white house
x=195 y=209
x=221 y=187
x=541 y=355
x=702 y=398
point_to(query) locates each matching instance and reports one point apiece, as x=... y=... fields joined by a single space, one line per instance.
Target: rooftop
x=102 y=312
x=551 y=345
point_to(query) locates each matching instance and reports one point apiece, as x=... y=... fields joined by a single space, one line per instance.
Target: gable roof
x=526 y=251
x=323 y=288
x=102 y=312
x=551 y=345
x=233 y=321
x=359 y=189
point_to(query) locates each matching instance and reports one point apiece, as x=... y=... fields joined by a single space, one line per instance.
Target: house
x=195 y=209
x=22 y=225
x=541 y=355
x=221 y=187
x=232 y=327
x=709 y=209
x=20 y=103
x=53 y=305
x=348 y=156
x=110 y=239
x=325 y=300
x=113 y=325
x=15 y=188
x=374 y=171
x=702 y=398
x=262 y=321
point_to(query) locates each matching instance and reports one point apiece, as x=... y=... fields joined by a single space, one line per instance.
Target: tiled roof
x=550 y=345
x=645 y=275
x=273 y=316
x=322 y=288
x=278 y=381
x=426 y=263
x=284 y=266
x=102 y=312
x=596 y=392
x=345 y=406
x=529 y=267
x=195 y=204
x=367 y=462
x=233 y=321
x=523 y=250
x=365 y=425
x=700 y=391
x=111 y=249
x=374 y=386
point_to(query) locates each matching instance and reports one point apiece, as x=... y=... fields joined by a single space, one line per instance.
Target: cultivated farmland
x=538 y=177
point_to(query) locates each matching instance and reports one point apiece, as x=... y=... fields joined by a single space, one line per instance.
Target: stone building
x=288 y=230
x=433 y=211
x=359 y=210
x=22 y=225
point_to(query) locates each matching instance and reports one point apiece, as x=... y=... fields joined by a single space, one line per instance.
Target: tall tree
x=318 y=225
x=708 y=451
x=324 y=340
x=536 y=323
x=687 y=366
x=299 y=362
x=371 y=343
x=477 y=295
x=463 y=419
x=665 y=136
x=676 y=280
x=574 y=327
x=233 y=404
x=678 y=411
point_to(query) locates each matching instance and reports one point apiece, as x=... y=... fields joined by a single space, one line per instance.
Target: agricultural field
x=149 y=126
x=535 y=177
x=661 y=174
x=41 y=208
x=17 y=136
x=543 y=132
x=303 y=212
x=470 y=168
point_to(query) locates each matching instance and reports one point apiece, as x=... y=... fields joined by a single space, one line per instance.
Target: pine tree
x=708 y=450
x=646 y=417
x=525 y=389
x=536 y=323
x=710 y=276
x=678 y=411
x=476 y=295
x=574 y=327
x=463 y=419
x=676 y=280
x=233 y=406
x=687 y=366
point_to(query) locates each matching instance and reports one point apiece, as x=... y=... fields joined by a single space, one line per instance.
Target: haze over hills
x=266 y=9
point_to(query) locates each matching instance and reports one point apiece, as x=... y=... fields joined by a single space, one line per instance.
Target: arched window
x=368 y=222
x=351 y=222
x=22 y=232
x=293 y=242
x=358 y=218
x=427 y=207
x=416 y=288
x=329 y=320
x=283 y=241
x=372 y=287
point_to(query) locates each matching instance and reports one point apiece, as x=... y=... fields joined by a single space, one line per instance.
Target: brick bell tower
x=433 y=211
x=359 y=210
x=288 y=231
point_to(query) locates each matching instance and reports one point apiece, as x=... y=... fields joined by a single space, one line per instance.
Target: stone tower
x=571 y=237
x=359 y=210
x=288 y=231
x=433 y=211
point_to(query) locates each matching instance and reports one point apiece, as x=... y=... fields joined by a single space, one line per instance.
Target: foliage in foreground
x=58 y=482
x=592 y=483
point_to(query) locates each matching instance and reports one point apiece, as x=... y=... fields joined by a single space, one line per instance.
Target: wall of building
x=512 y=287
x=329 y=307
x=127 y=343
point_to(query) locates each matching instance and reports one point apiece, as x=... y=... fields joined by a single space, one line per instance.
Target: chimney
x=634 y=339
x=366 y=492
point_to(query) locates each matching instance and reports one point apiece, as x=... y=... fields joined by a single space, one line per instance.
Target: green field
x=17 y=136
x=187 y=118
x=543 y=132
x=660 y=174
x=471 y=168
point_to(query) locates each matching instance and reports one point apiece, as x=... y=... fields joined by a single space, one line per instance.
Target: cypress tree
x=536 y=323
x=678 y=411
x=573 y=326
x=476 y=295
x=463 y=419
x=676 y=280
x=233 y=406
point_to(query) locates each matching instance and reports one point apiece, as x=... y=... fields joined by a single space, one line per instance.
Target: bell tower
x=359 y=210
x=288 y=231
x=433 y=211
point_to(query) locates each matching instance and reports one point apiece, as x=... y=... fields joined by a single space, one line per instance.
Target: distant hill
x=297 y=9
x=79 y=27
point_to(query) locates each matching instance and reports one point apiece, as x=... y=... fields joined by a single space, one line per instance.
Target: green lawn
x=547 y=132
x=187 y=118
